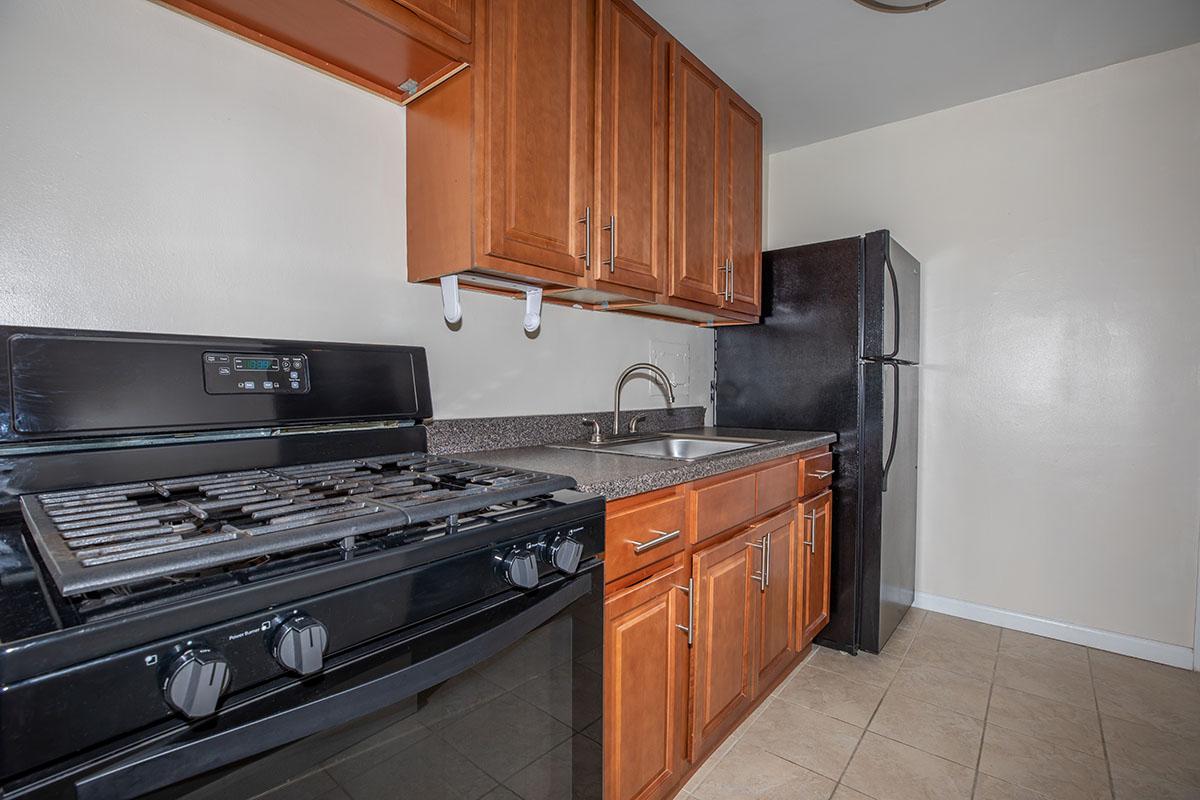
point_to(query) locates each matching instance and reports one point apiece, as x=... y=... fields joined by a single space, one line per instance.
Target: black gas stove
x=205 y=563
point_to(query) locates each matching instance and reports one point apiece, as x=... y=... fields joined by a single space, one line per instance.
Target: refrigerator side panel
x=798 y=367
x=908 y=277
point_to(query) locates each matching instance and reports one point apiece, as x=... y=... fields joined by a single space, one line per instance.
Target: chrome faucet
x=662 y=376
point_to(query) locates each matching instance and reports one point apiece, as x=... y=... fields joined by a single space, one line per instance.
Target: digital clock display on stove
x=256 y=364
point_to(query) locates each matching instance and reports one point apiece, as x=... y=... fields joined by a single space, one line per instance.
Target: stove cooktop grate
x=109 y=536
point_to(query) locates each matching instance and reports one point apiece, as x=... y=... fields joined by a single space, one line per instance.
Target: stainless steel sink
x=676 y=447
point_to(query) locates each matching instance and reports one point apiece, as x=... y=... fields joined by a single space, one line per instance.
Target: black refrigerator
x=838 y=350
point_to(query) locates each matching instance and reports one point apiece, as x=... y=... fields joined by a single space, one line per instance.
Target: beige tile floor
x=956 y=709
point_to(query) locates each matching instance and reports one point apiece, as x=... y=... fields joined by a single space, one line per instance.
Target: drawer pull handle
x=823 y=474
x=663 y=538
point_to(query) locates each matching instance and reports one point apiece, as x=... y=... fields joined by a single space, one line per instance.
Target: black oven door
x=500 y=701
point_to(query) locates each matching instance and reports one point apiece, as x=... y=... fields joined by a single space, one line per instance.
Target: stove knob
x=299 y=645
x=563 y=553
x=520 y=568
x=195 y=682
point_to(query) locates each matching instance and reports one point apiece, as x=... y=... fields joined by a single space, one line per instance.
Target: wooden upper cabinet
x=645 y=687
x=539 y=131
x=697 y=122
x=716 y=188
x=815 y=550
x=630 y=214
x=452 y=16
x=743 y=204
x=726 y=601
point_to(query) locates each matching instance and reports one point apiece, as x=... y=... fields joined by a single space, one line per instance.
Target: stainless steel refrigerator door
x=898 y=518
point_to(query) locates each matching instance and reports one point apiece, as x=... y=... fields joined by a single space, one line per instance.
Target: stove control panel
x=255 y=373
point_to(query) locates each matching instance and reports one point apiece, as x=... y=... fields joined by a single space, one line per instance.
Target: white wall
x=1059 y=232
x=160 y=175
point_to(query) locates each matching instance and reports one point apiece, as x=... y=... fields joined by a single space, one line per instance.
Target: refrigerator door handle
x=887 y=465
x=887 y=259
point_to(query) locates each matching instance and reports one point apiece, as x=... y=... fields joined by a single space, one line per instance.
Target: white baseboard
x=1171 y=654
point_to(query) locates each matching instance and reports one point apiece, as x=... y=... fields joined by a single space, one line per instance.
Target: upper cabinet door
x=538 y=148
x=631 y=213
x=452 y=16
x=698 y=253
x=743 y=204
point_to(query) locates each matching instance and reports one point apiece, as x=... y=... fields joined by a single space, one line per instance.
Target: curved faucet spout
x=639 y=367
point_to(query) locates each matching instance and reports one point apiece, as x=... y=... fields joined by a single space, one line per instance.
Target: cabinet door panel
x=743 y=204
x=725 y=618
x=645 y=671
x=776 y=640
x=452 y=16
x=696 y=185
x=815 y=553
x=632 y=186
x=539 y=130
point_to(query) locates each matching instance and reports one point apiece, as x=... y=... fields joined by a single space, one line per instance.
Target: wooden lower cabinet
x=726 y=599
x=814 y=560
x=775 y=641
x=645 y=686
x=746 y=579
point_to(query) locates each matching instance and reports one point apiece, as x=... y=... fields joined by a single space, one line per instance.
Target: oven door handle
x=178 y=761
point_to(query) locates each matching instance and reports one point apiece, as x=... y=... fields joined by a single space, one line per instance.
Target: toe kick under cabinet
x=715 y=591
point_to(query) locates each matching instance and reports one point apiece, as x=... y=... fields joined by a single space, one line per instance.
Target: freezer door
x=898 y=514
x=891 y=300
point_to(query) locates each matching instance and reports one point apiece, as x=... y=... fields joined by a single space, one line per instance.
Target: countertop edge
x=633 y=475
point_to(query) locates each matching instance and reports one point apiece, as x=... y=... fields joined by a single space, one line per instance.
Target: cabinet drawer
x=723 y=505
x=777 y=486
x=816 y=474
x=642 y=534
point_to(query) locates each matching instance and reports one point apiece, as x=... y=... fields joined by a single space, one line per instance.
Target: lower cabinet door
x=645 y=686
x=816 y=523
x=775 y=640
x=726 y=603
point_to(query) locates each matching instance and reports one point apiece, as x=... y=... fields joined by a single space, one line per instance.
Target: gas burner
x=111 y=536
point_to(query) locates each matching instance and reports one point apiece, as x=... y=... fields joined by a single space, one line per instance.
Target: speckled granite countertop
x=620 y=476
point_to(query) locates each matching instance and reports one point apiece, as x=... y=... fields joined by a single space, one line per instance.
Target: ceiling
x=817 y=69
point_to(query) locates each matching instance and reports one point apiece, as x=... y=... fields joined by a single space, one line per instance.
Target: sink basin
x=677 y=447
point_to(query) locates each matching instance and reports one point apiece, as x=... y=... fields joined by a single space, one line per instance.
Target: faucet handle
x=633 y=423
x=596 y=437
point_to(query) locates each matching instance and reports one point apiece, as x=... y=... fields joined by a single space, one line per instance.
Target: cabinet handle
x=663 y=537
x=586 y=221
x=611 y=227
x=728 y=293
x=822 y=474
x=690 y=628
x=811 y=543
x=731 y=278
x=764 y=546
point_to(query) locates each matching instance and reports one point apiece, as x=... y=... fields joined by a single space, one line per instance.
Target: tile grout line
x=1112 y=789
x=986 y=711
x=887 y=689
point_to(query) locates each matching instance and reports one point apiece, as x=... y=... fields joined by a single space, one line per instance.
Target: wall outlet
x=673 y=358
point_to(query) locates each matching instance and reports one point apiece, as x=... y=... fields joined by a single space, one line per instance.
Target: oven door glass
x=520 y=719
